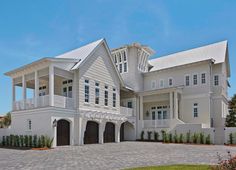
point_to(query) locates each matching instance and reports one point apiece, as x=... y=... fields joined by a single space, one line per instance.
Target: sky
x=31 y=30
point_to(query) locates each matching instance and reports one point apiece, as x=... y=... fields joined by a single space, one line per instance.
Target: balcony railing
x=127 y=111
x=161 y=123
x=43 y=101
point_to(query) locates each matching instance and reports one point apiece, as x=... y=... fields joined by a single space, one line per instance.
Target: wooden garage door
x=91 y=133
x=63 y=133
x=109 y=133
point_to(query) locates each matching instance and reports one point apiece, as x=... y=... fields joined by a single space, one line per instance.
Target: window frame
x=172 y=82
x=194 y=74
x=195 y=106
x=189 y=80
x=114 y=97
x=216 y=75
x=86 y=95
x=29 y=124
x=205 y=77
x=106 y=99
x=161 y=80
x=97 y=90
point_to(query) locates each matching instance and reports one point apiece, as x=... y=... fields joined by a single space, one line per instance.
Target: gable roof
x=216 y=52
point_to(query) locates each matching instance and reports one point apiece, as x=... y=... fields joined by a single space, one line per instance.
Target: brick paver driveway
x=111 y=156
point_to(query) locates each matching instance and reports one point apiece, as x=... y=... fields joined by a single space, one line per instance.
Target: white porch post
x=24 y=91
x=171 y=105
x=176 y=105
x=101 y=132
x=141 y=108
x=117 y=132
x=13 y=94
x=51 y=85
x=74 y=89
x=36 y=90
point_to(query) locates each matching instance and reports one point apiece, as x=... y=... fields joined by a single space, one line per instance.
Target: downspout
x=210 y=94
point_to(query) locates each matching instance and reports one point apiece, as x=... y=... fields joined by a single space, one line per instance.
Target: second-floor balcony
x=129 y=112
x=43 y=101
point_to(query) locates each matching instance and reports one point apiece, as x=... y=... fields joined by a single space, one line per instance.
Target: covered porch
x=160 y=108
x=42 y=87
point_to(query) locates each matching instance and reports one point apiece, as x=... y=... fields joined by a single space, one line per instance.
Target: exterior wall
x=99 y=69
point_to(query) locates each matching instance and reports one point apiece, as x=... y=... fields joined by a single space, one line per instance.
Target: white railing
x=126 y=111
x=163 y=123
x=43 y=101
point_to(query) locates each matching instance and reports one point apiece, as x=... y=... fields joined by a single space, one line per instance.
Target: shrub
x=202 y=137
x=3 y=141
x=39 y=142
x=11 y=140
x=142 y=135
x=17 y=141
x=231 y=138
x=164 y=136
x=22 y=141
x=208 y=139
x=26 y=141
x=176 y=140
x=228 y=164
x=188 y=137
x=30 y=141
x=7 y=141
x=181 y=138
x=170 y=138
x=48 y=142
x=149 y=135
x=195 y=138
x=35 y=141
x=156 y=136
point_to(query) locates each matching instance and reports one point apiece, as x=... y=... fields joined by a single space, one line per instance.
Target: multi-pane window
x=114 y=97
x=120 y=57
x=130 y=104
x=125 y=67
x=153 y=84
x=97 y=93
x=124 y=54
x=42 y=91
x=120 y=68
x=115 y=59
x=216 y=80
x=29 y=124
x=203 y=78
x=86 y=91
x=170 y=81
x=161 y=83
x=195 y=110
x=106 y=96
x=187 y=80
x=67 y=88
x=195 y=79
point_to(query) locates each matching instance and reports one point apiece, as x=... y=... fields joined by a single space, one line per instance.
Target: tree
x=231 y=117
x=6 y=121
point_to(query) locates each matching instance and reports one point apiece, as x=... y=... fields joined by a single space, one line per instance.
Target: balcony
x=161 y=123
x=129 y=112
x=43 y=101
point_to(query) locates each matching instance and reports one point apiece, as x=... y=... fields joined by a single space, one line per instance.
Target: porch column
x=24 y=91
x=117 y=132
x=74 y=89
x=101 y=132
x=36 y=90
x=141 y=108
x=176 y=105
x=171 y=105
x=51 y=85
x=13 y=94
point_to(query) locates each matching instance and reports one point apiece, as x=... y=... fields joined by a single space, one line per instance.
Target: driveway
x=111 y=156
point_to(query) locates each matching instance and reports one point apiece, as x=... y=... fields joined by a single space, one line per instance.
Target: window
x=86 y=91
x=114 y=97
x=97 y=93
x=195 y=79
x=106 y=96
x=153 y=85
x=195 y=110
x=42 y=91
x=125 y=67
x=153 y=115
x=130 y=104
x=124 y=54
x=29 y=124
x=65 y=91
x=70 y=91
x=161 y=83
x=120 y=58
x=170 y=81
x=203 y=78
x=187 y=80
x=67 y=88
x=120 y=67
x=115 y=59
x=216 y=80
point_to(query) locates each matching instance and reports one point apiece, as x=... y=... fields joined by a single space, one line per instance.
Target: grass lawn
x=175 y=167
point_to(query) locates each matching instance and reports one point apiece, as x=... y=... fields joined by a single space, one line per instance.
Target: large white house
x=96 y=95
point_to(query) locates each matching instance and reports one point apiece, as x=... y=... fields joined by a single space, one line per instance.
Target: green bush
x=21 y=141
x=149 y=135
x=8 y=141
x=142 y=135
x=30 y=141
x=26 y=141
x=208 y=139
x=195 y=137
x=48 y=142
x=188 y=136
x=43 y=141
x=202 y=137
x=170 y=138
x=3 y=141
x=176 y=139
x=156 y=136
x=11 y=140
x=17 y=141
x=163 y=134
x=181 y=138
x=231 y=138
x=35 y=144
x=39 y=142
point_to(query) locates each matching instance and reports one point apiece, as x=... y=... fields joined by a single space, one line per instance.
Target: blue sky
x=30 y=30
